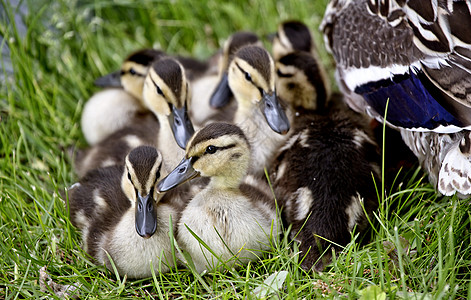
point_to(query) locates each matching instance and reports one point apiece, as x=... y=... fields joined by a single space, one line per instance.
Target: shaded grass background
x=420 y=243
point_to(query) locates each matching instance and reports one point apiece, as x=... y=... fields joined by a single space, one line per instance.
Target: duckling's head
x=291 y=36
x=141 y=172
x=219 y=151
x=299 y=81
x=167 y=94
x=133 y=72
x=222 y=93
x=251 y=78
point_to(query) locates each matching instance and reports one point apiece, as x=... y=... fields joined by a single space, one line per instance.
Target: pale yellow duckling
x=121 y=104
x=232 y=218
x=251 y=77
x=222 y=94
x=217 y=106
x=166 y=94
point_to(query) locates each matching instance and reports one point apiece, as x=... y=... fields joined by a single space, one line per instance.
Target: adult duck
x=413 y=57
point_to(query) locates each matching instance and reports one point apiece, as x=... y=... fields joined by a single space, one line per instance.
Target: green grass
x=419 y=247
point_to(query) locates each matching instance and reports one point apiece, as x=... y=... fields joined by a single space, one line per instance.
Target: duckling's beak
x=274 y=113
x=181 y=125
x=182 y=173
x=146 y=216
x=222 y=94
x=110 y=80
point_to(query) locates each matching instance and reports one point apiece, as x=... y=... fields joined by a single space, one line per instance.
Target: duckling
x=166 y=94
x=121 y=103
x=121 y=214
x=322 y=176
x=134 y=70
x=415 y=60
x=232 y=218
x=218 y=106
x=251 y=77
x=298 y=82
x=294 y=36
x=222 y=94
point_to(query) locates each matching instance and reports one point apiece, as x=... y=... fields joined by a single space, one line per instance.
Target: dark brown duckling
x=121 y=214
x=323 y=175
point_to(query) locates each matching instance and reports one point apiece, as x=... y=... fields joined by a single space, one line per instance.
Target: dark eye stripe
x=159 y=91
x=248 y=77
x=151 y=191
x=195 y=158
x=132 y=73
x=227 y=147
x=244 y=72
x=221 y=148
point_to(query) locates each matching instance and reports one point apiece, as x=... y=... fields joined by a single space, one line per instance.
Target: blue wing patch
x=410 y=104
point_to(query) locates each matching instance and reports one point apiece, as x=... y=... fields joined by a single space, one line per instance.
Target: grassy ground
x=420 y=245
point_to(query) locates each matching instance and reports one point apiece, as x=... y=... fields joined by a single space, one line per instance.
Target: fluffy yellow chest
x=227 y=222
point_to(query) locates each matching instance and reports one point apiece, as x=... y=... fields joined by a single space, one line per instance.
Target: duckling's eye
x=248 y=77
x=159 y=91
x=129 y=176
x=211 y=149
x=132 y=71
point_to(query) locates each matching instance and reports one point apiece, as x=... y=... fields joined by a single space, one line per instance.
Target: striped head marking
x=220 y=150
x=252 y=81
x=251 y=73
x=167 y=94
x=142 y=170
x=166 y=86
